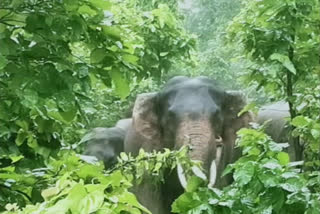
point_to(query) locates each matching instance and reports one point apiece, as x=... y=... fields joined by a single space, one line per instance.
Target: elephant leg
x=150 y=196
x=171 y=189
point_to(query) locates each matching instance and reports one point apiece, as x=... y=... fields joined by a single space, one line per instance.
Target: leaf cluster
x=56 y=59
x=74 y=183
x=264 y=182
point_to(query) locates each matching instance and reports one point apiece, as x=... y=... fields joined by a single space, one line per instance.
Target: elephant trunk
x=201 y=139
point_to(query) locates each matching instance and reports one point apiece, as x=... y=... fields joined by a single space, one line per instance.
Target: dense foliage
x=57 y=59
x=70 y=65
x=77 y=186
x=264 y=182
x=281 y=39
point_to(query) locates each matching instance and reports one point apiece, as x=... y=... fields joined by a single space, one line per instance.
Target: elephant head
x=105 y=144
x=193 y=112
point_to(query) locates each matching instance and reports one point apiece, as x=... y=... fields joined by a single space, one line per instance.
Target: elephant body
x=106 y=143
x=278 y=128
x=187 y=111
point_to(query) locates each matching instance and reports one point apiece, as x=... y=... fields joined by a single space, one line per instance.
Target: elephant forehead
x=193 y=128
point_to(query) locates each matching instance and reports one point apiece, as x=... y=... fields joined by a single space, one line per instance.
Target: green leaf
x=193 y=183
x=315 y=133
x=249 y=107
x=97 y=55
x=3 y=61
x=272 y=164
x=130 y=58
x=124 y=156
x=102 y=4
x=15 y=158
x=283 y=158
x=21 y=137
x=90 y=203
x=286 y=62
x=30 y=98
x=121 y=84
x=50 y=192
x=2 y=28
x=244 y=174
x=71 y=5
x=185 y=202
x=113 y=31
x=164 y=54
x=300 y=121
x=85 y=9
x=268 y=179
x=69 y=116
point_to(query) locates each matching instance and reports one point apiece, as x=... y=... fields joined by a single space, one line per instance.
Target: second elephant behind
x=278 y=128
x=106 y=143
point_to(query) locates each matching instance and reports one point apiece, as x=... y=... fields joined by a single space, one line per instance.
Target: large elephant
x=187 y=111
x=106 y=143
x=278 y=127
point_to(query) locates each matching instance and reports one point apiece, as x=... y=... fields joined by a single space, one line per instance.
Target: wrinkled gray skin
x=106 y=143
x=277 y=128
x=187 y=111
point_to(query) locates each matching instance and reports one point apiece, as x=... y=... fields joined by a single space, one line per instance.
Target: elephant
x=188 y=111
x=106 y=143
x=278 y=128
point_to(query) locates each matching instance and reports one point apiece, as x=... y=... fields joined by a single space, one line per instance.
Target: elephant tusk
x=198 y=172
x=213 y=167
x=182 y=176
x=213 y=173
x=218 y=155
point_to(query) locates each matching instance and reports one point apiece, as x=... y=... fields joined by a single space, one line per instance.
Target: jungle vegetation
x=67 y=66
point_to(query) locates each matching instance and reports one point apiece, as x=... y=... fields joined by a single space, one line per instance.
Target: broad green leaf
x=283 y=158
x=164 y=54
x=85 y=9
x=15 y=158
x=3 y=61
x=315 y=133
x=71 y=5
x=90 y=203
x=113 y=31
x=124 y=156
x=292 y=185
x=69 y=116
x=23 y=124
x=186 y=202
x=244 y=174
x=129 y=198
x=103 y=4
x=32 y=142
x=130 y=58
x=193 y=183
x=300 y=121
x=267 y=210
x=249 y=107
x=48 y=193
x=97 y=55
x=272 y=164
x=21 y=137
x=285 y=61
x=30 y=98
x=121 y=84
x=268 y=179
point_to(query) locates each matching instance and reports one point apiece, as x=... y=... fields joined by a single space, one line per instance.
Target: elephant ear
x=234 y=102
x=145 y=122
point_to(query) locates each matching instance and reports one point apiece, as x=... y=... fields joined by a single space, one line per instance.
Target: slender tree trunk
x=293 y=113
